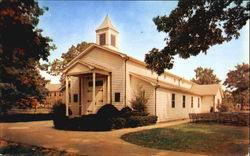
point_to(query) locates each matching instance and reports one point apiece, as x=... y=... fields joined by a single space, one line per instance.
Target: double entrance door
x=100 y=94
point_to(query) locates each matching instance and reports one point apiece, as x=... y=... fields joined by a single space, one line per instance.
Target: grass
x=16 y=149
x=212 y=139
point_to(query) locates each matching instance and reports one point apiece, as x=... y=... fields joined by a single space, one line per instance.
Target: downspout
x=156 y=86
x=126 y=58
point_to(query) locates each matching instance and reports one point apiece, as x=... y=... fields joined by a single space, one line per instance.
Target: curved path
x=42 y=133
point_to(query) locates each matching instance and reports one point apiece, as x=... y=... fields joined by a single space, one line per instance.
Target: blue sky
x=71 y=22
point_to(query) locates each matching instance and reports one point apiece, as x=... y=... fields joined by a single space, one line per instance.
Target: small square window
x=117 y=97
x=75 y=97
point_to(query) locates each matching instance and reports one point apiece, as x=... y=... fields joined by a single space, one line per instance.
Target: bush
x=25 y=117
x=136 y=121
x=107 y=111
x=126 y=112
x=118 y=123
x=136 y=113
x=59 y=114
x=59 y=109
x=140 y=100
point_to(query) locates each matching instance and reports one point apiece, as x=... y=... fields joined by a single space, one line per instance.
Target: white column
x=108 y=90
x=67 y=96
x=93 y=92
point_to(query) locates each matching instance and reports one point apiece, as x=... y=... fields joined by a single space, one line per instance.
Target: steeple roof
x=106 y=24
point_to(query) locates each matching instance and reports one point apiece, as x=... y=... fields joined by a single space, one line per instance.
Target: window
x=69 y=98
x=102 y=39
x=55 y=94
x=198 y=102
x=173 y=100
x=192 y=102
x=75 y=97
x=218 y=101
x=97 y=83
x=117 y=97
x=113 y=40
x=183 y=101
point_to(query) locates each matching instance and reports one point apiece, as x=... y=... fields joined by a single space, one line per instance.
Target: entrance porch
x=82 y=95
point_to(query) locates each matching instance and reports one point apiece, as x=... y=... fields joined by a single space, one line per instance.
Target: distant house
x=116 y=77
x=54 y=94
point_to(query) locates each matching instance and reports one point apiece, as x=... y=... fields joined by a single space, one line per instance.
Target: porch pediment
x=81 y=67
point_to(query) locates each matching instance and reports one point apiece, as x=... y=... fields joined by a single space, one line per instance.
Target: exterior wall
x=164 y=105
x=74 y=89
x=207 y=103
x=149 y=91
x=116 y=65
x=53 y=97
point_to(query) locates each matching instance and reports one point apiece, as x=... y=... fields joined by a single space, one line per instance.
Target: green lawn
x=212 y=139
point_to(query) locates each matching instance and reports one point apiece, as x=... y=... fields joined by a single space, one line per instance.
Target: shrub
x=59 y=109
x=140 y=100
x=137 y=113
x=136 y=121
x=59 y=115
x=118 y=123
x=107 y=111
x=126 y=112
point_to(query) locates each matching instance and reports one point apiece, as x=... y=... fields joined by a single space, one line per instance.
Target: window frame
x=117 y=97
x=173 y=100
x=183 y=101
x=102 y=41
x=192 y=102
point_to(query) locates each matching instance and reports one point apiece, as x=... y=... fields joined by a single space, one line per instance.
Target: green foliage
x=22 y=47
x=140 y=100
x=118 y=122
x=107 y=118
x=57 y=66
x=195 y=26
x=237 y=82
x=227 y=104
x=136 y=121
x=204 y=139
x=126 y=112
x=107 y=111
x=205 y=76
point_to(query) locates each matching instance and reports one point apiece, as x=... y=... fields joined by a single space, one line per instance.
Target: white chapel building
x=117 y=76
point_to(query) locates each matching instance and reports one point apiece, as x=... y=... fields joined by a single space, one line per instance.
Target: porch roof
x=82 y=67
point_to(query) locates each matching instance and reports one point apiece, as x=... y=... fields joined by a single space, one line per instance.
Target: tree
x=205 y=76
x=194 y=26
x=227 y=104
x=22 y=46
x=237 y=82
x=140 y=100
x=57 y=66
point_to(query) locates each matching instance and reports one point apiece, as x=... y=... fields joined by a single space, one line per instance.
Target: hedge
x=107 y=118
x=25 y=117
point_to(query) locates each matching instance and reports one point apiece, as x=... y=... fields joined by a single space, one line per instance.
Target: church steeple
x=107 y=35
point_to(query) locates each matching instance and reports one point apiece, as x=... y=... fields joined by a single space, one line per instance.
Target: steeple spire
x=106 y=24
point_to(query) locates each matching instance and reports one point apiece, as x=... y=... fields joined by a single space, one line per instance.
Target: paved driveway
x=43 y=134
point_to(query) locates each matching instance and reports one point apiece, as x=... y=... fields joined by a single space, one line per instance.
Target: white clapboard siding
x=114 y=63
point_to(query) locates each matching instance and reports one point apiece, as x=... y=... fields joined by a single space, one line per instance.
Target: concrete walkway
x=43 y=134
